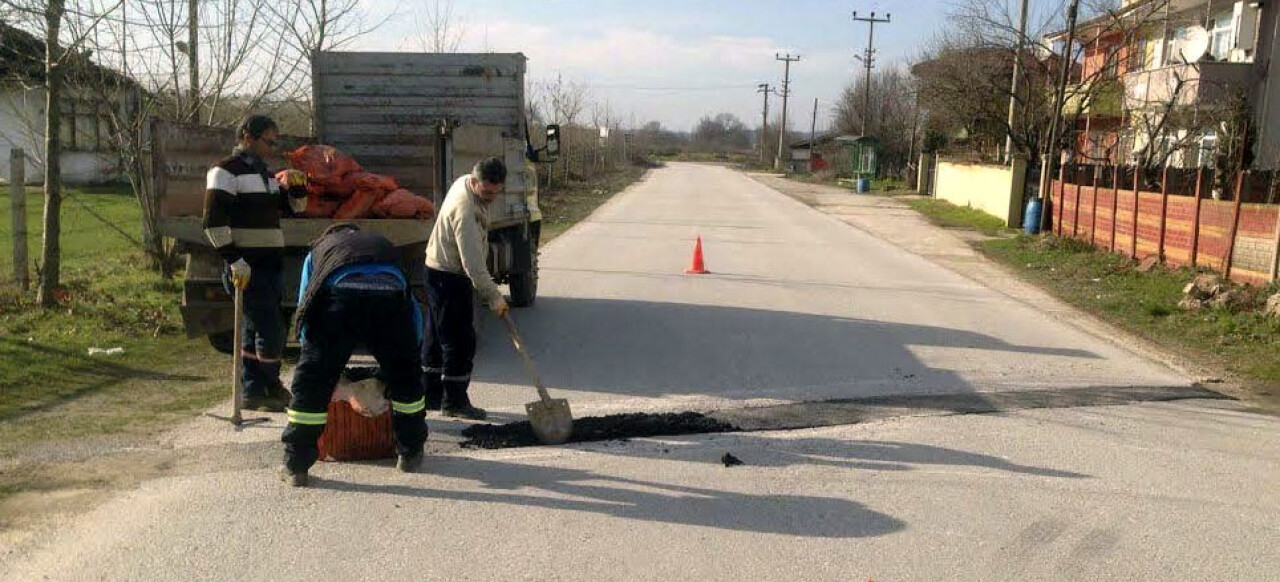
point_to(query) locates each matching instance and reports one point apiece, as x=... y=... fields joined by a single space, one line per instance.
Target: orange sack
x=359 y=204
x=404 y=204
x=366 y=181
x=322 y=205
x=325 y=167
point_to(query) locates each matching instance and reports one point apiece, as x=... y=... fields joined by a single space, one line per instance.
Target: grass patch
x=567 y=203
x=949 y=215
x=1241 y=340
x=50 y=387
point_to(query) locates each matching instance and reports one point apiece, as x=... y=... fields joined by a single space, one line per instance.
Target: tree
x=966 y=75
x=722 y=132
x=894 y=117
x=48 y=16
x=439 y=31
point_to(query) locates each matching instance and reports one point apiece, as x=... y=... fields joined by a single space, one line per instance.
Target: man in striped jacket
x=243 y=205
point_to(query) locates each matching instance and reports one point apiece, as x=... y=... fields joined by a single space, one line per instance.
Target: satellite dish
x=1193 y=43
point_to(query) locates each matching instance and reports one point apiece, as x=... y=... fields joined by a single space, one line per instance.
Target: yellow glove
x=294 y=178
x=240 y=272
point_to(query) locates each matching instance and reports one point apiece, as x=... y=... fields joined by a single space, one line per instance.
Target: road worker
x=354 y=292
x=243 y=204
x=456 y=270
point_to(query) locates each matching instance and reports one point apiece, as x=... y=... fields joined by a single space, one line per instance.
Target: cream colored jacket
x=460 y=240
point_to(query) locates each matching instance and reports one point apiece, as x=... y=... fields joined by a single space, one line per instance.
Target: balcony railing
x=1100 y=98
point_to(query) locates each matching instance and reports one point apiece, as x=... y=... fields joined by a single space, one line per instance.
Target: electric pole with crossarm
x=786 y=92
x=868 y=59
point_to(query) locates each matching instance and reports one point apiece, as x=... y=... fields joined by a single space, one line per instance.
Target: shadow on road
x=500 y=482
x=652 y=349
x=764 y=451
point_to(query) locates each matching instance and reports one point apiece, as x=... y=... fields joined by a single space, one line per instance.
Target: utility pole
x=813 y=126
x=786 y=92
x=1051 y=148
x=18 y=214
x=868 y=59
x=764 y=118
x=193 y=55
x=1017 y=71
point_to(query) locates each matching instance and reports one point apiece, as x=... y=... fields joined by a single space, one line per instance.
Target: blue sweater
x=363 y=269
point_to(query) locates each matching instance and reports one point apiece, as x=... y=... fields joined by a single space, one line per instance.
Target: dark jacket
x=339 y=250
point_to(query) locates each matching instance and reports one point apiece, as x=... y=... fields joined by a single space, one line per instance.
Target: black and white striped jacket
x=243 y=205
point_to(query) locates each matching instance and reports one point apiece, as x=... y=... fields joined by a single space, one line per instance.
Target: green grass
x=565 y=204
x=949 y=215
x=1242 y=341
x=50 y=388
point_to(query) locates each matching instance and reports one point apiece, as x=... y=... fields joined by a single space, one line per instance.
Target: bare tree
x=256 y=57
x=49 y=16
x=893 y=118
x=439 y=29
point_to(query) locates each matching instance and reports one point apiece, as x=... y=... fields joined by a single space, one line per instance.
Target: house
x=86 y=122
x=1150 y=70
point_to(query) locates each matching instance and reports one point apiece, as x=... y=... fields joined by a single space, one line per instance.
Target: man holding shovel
x=456 y=264
x=243 y=204
x=353 y=292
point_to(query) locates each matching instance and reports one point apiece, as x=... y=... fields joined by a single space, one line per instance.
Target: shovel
x=237 y=359
x=550 y=418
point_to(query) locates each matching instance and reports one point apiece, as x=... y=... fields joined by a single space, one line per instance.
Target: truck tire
x=524 y=286
x=222 y=341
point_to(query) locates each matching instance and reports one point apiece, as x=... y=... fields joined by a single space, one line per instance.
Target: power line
x=689 y=88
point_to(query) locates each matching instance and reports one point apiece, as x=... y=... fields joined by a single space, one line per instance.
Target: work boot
x=468 y=412
x=294 y=479
x=409 y=463
x=269 y=403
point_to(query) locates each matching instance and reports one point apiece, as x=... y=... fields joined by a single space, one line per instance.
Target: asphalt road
x=799 y=307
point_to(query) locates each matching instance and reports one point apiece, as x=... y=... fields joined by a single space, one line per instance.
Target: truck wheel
x=222 y=341
x=524 y=286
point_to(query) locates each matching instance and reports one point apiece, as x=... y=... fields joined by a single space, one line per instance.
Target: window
x=1111 y=62
x=1208 y=145
x=1140 y=55
x=1221 y=35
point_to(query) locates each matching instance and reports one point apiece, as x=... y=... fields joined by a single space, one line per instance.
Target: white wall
x=996 y=190
x=22 y=126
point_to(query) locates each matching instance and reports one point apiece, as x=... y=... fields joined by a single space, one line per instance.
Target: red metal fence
x=1173 y=215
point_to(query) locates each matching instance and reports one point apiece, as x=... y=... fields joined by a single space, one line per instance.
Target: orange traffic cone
x=697 y=268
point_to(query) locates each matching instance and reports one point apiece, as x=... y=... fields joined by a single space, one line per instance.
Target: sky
x=676 y=61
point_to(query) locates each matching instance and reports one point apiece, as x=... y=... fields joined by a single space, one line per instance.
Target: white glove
x=240 y=272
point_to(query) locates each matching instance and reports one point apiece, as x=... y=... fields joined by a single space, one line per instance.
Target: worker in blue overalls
x=354 y=292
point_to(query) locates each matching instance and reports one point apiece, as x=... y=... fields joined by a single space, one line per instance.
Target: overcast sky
x=677 y=60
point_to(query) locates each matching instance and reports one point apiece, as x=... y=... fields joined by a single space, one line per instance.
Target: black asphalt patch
x=828 y=413
x=596 y=428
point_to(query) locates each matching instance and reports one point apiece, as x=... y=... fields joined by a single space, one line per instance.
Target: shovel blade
x=552 y=421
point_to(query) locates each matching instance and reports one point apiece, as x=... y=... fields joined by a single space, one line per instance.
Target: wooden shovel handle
x=524 y=357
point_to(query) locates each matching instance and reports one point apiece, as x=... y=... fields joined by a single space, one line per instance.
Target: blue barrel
x=864 y=185
x=1031 y=218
